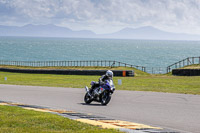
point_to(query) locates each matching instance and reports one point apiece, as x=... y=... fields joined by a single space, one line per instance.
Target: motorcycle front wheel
x=105 y=98
x=87 y=99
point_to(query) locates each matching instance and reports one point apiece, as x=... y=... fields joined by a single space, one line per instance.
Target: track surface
x=173 y=111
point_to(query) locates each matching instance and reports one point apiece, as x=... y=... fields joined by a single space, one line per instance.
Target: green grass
x=141 y=82
x=156 y=83
x=18 y=120
x=194 y=66
x=163 y=83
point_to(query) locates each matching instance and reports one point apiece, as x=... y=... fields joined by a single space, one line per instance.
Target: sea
x=147 y=53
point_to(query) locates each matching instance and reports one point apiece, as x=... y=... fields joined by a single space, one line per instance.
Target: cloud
x=104 y=15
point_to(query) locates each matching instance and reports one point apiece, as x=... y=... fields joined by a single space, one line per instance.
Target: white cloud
x=106 y=15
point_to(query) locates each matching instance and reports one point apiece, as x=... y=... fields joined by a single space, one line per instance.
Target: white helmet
x=109 y=74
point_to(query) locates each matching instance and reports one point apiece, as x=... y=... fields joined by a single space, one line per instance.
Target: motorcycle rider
x=100 y=91
x=102 y=79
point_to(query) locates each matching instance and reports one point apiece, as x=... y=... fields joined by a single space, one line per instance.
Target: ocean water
x=148 y=53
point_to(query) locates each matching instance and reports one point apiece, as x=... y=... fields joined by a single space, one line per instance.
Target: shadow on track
x=91 y=104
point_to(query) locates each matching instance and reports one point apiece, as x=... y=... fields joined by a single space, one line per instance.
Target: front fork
x=88 y=91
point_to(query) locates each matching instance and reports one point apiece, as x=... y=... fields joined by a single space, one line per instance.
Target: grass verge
x=156 y=83
x=16 y=119
x=194 y=66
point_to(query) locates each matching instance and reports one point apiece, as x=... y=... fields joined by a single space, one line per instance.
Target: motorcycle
x=101 y=94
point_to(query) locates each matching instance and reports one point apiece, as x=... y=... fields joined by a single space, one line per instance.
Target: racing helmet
x=109 y=74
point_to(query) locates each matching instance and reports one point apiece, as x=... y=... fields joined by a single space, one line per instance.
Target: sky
x=104 y=16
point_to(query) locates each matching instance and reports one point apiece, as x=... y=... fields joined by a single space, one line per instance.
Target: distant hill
x=50 y=30
x=43 y=31
x=151 y=33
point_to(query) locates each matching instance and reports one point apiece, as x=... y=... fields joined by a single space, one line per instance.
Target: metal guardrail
x=156 y=70
x=104 y=63
x=184 y=62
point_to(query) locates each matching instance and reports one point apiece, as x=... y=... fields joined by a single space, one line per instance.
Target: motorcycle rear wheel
x=87 y=99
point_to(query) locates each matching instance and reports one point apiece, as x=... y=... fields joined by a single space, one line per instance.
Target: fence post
x=199 y=60
x=192 y=60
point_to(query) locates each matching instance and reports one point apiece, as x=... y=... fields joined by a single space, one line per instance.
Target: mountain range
x=147 y=32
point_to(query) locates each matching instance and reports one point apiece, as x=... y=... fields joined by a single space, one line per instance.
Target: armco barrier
x=186 y=72
x=69 y=72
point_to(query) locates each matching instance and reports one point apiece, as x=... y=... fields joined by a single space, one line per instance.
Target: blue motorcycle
x=101 y=94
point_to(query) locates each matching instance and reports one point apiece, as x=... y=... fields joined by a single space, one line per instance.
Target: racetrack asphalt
x=179 y=112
